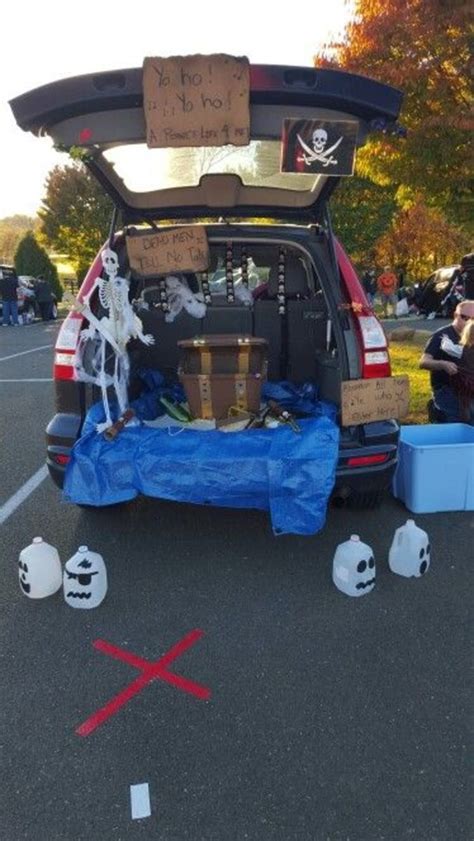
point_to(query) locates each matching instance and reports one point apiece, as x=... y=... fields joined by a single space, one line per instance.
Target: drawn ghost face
x=354 y=568
x=85 y=579
x=39 y=570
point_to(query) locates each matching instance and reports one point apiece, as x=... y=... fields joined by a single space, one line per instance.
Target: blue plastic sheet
x=289 y=474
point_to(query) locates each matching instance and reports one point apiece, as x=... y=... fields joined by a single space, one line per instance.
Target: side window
x=256 y=275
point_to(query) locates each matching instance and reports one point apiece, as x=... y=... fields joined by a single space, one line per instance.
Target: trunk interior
x=265 y=289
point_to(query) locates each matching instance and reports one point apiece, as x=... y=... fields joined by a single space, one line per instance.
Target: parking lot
x=304 y=715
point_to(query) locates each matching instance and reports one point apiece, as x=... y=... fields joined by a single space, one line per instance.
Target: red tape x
x=149 y=671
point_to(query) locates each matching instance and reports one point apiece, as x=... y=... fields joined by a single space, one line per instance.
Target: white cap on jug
x=37 y=540
x=83 y=549
x=355 y=537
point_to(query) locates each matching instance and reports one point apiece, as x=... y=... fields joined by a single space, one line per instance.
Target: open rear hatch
x=100 y=117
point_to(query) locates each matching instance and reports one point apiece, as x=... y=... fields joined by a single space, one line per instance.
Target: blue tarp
x=289 y=474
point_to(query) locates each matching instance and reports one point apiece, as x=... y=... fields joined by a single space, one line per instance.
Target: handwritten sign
x=196 y=101
x=183 y=249
x=383 y=398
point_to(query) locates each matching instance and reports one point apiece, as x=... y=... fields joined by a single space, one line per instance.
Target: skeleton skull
x=353 y=569
x=320 y=138
x=85 y=579
x=110 y=262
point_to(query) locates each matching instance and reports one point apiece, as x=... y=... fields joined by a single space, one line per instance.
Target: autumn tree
x=12 y=229
x=419 y=240
x=423 y=48
x=31 y=259
x=361 y=213
x=75 y=215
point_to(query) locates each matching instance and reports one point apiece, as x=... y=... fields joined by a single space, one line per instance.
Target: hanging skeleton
x=116 y=329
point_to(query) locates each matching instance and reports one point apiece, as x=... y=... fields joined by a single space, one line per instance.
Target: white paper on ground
x=140 y=801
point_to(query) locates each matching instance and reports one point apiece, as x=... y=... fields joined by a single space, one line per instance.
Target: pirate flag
x=320 y=147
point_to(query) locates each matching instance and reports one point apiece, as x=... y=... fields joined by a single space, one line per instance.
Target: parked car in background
x=28 y=307
x=439 y=293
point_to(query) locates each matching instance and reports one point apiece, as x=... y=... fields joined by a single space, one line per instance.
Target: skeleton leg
x=103 y=387
x=121 y=380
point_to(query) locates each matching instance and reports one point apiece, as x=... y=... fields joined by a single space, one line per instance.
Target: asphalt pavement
x=328 y=718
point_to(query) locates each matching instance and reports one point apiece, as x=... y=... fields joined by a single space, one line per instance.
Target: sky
x=51 y=40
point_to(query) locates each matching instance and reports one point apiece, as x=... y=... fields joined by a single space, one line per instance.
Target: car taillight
x=375 y=359
x=362 y=461
x=66 y=344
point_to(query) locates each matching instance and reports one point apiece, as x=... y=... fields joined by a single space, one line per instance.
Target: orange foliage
x=421 y=47
x=420 y=240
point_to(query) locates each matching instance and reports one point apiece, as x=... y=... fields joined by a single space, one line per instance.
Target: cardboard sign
x=183 y=249
x=196 y=101
x=364 y=401
x=320 y=147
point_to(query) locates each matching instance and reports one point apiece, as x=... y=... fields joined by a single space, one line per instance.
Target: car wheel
x=54 y=311
x=367 y=499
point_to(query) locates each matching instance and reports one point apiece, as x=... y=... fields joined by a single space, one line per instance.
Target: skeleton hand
x=88 y=332
x=147 y=339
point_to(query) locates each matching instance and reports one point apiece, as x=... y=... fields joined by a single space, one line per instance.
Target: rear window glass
x=258 y=164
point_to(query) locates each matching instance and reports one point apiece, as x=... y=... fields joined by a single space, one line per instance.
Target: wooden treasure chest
x=222 y=372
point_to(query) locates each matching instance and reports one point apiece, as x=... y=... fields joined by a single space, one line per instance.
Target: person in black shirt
x=9 y=295
x=441 y=358
x=370 y=286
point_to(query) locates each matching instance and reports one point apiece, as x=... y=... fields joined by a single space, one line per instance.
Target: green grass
x=405 y=356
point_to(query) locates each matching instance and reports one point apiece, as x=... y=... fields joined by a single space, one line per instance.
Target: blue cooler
x=436 y=468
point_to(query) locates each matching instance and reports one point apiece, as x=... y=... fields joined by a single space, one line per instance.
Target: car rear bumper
x=377 y=439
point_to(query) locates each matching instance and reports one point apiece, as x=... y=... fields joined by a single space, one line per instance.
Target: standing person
x=368 y=282
x=44 y=297
x=467 y=275
x=441 y=358
x=387 y=285
x=9 y=293
x=464 y=382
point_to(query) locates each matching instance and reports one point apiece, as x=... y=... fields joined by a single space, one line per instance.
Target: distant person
x=370 y=286
x=441 y=358
x=387 y=285
x=467 y=276
x=464 y=382
x=9 y=294
x=44 y=297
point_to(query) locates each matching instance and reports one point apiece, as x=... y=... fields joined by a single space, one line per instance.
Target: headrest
x=296 y=279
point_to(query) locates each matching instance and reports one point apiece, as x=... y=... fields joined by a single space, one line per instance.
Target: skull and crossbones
x=318 y=152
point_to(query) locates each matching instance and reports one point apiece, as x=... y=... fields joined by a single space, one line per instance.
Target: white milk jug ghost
x=39 y=569
x=409 y=553
x=353 y=567
x=85 y=579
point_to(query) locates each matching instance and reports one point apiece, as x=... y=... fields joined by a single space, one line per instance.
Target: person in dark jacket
x=441 y=358
x=9 y=294
x=44 y=297
x=370 y=286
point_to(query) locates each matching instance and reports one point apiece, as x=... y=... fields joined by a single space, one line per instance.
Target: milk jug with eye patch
x=410 y=552
x=85 y=579
x=353 y=568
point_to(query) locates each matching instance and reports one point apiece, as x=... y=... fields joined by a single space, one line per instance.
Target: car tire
x=366 y=500
x=54 y=311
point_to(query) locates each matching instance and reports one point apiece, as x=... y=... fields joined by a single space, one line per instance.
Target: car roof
x=101 y=115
